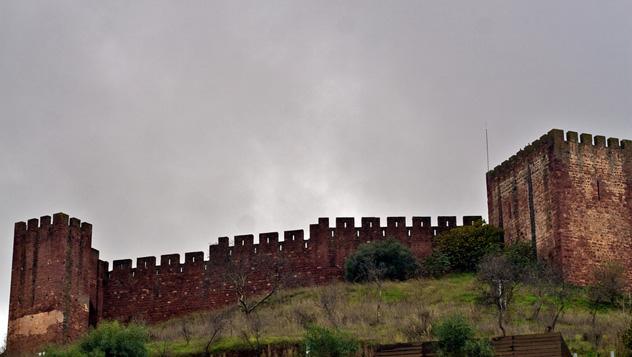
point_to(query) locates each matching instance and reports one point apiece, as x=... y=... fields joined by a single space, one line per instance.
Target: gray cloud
x=168 y=124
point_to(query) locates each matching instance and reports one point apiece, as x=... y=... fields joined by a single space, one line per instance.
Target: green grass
x=403 y=305
x=197 y=345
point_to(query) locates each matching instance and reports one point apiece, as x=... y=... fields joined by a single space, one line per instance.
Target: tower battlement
x=558 y=192
x=54 y=281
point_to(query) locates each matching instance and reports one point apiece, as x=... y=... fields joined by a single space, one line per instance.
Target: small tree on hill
x=216 y=323
x=548 y=285
x=324 y=342
x=329 y=300
x=241 y=275
x=379 y=261
x=466 y=246
x=500 y=276
x=436 y=265
x=386 y=259
x=624 y=343
x=604 y=292
x=456 y=339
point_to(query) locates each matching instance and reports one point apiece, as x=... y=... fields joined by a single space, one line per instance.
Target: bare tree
x=605 y=291
x=547 y=282
x=329 y=300
x=538 y=276
x=185 y=330
x=560 y=292
x=375 y=273
x=501 y=278
x=254 y=282
x=216 y=324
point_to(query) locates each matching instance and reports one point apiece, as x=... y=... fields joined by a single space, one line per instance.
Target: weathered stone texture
x=571 y=196
x=59 y=287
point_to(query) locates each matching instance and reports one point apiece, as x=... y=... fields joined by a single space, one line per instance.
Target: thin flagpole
x=487 y=146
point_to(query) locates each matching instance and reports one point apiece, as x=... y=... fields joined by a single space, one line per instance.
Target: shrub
x=465 y=246
x=435 y=265
x=608 y=285
x=521 y=255
x=456 y=339
x=324 y=342
x=606 y=291
x=387 y=259
x=501 y=277
x=453 y=333
x=625 y=341
x=109 y=339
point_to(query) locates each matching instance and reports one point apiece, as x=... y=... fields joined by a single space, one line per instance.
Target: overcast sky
x=168 y=124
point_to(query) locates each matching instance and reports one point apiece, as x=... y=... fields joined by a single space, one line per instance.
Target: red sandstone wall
x=520 y=197
x=53 y=282
x=59 y=287
x=595 y=204
x=154 y=292
x=581 y=206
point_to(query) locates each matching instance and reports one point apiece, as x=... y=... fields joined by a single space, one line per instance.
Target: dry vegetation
x=408 y=310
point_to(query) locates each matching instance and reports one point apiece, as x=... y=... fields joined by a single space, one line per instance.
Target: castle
x=60 y=287
x=570 y=198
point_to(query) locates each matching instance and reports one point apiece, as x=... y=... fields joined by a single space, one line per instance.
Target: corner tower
x=56 y=281
x=570 y=195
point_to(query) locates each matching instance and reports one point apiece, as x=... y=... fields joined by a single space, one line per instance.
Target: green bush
x=521 y=255
x=324 y=342
x=608 y=286
x=109 y=339
x=465 y=246
x=387 y=259
x=456 y=339
x=435 y=265
x=624 y=342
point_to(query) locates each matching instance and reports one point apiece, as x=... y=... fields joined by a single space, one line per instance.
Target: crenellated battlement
x=295 y=242
x=154 y=288
x=557 y=139
x=54 y=265
x=554 y=193
x=557 y=192
x=55 y=280
x=45 y=222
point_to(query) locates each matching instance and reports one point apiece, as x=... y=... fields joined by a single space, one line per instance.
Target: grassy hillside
x=407 y=312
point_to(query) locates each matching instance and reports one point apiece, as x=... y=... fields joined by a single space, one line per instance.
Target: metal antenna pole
x=487 y=146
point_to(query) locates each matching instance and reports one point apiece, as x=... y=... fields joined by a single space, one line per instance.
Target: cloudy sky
x=168 y=124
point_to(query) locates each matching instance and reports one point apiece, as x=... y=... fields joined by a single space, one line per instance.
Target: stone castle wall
x=59 y=287
x=571 y=195
x=55 y=292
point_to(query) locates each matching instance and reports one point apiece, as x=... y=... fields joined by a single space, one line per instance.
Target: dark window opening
x=598 y=190
x=92 y=315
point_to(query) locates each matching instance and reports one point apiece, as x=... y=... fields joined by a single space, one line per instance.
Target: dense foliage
x=387 y=259
x=436 y=265
x=324 y=342
x=608 y=285
x=625 y=341
x=109 y=339
x=465 y=246
x=456 y=339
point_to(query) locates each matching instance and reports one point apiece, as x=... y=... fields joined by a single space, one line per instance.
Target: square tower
x=571 y=197
x=56 y=283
